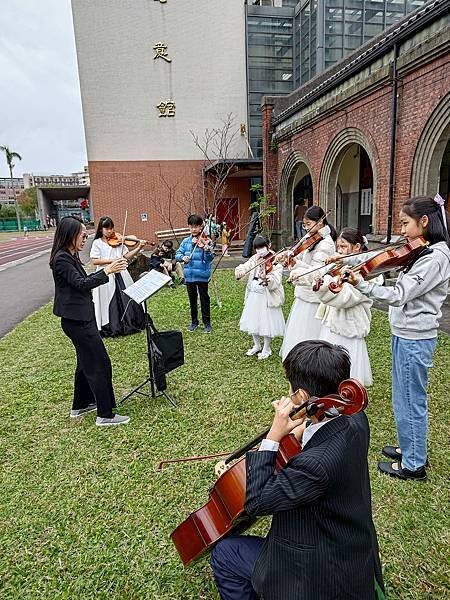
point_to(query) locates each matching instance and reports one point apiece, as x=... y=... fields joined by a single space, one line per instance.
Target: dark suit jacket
x=322 y=543
x=73 y=296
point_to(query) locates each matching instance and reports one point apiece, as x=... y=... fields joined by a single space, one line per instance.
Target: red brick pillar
x=270 y=155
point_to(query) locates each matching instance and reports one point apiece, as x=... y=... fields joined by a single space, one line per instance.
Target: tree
x=10 y=156
x=28 y=202
x=266 y=211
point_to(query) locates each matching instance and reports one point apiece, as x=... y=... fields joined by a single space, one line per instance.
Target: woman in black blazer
x=93 y=388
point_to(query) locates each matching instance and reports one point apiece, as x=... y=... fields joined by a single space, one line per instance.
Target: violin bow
x=123 y=236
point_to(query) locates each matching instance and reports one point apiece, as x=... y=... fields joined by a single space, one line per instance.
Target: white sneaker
x=74 y=414
x=116 y=420
x=253 y=351
x=263 y=355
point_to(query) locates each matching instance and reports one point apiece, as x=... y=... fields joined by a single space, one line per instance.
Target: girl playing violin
x=415 y=309
x=301 y=324
x=346 y=316
x=115 y=313
x=262 y=316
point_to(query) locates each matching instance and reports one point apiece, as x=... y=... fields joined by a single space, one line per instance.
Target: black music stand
x=140 y=293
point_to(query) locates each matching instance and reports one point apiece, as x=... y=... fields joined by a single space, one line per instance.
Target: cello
x=224 y=512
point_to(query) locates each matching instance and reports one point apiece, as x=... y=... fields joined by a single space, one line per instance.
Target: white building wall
x=121 y=82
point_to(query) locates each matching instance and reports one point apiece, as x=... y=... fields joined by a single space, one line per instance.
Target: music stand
x=140 y=292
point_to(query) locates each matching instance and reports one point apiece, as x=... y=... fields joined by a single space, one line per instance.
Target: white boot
x=267 y=350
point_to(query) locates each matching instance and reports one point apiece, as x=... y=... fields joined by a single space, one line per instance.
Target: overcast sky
x=40 y=106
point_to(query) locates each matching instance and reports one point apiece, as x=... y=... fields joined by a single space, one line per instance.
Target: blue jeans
x=411 y=360
x=233 y=560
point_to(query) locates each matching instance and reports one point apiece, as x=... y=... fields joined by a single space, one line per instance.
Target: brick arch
x=430 y=150
x=332 y=163
x=294 y=162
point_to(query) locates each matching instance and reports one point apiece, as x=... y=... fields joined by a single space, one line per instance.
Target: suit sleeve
x=65 y=269
x=302 y=481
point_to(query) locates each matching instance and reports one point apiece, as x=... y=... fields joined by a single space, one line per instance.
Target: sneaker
x=115 y=420
x=171 y=285
x=208 y=328
x=80 y=412
x=263 y=355
x=253 y=351
x=192 y=326
x=182 y=281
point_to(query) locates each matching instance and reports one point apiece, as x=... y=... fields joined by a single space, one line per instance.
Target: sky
x=40 y=104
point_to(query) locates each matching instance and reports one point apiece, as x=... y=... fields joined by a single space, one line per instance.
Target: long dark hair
x=65 y=235
x=103 y=222
x=315 y=213
x=354 y=236
x=437 y=229
x=260 y=241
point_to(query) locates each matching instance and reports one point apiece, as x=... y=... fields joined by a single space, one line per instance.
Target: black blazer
x=73 y=296
x=322 y=543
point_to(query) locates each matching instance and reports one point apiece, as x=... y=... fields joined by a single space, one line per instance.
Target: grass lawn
x=83 y=512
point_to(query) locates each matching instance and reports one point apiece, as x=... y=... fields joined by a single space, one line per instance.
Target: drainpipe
x=394 y=106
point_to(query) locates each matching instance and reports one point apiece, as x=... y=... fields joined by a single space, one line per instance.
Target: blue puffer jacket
x=199 y=267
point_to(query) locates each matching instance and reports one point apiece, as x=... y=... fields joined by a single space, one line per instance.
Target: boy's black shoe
x=192 y=326
x=208 y=328
x=392 y=452
x=397 y=471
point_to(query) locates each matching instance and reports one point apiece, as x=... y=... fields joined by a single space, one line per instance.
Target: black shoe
x=192 y=326
x=391 y=452
x=387 y=468
x=208 y=328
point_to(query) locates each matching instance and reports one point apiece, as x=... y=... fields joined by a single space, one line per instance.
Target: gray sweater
x=416 y=299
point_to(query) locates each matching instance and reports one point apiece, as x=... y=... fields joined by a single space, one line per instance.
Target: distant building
x=30 y=180
x=7 y=193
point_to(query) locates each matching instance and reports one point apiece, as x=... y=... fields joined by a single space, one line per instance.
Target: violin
x=202 y=240
x=130 y=241
x=224 y=512
x=390 y=259
x=304 y=244
x=265 y=266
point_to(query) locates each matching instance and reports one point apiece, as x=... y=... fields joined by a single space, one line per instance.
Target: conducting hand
x=120 y=264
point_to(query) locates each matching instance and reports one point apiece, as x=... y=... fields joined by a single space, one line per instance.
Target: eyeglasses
x=84 y=236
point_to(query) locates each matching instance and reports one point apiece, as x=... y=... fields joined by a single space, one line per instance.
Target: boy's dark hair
x=437 y=230
x=195 y=220
x=317 y=367
x=354 y=236
x=103 y=222
x=168 y=244
x=65 y=235
x=260 y=241
x=315 y=213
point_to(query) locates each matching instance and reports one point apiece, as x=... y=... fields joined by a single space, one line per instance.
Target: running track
x=20 y=247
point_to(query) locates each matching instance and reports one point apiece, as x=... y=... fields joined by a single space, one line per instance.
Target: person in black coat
x=93 y=388
x=322 y=543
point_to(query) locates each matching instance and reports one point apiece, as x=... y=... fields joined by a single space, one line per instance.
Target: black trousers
x=205 y=303
x=93 y=374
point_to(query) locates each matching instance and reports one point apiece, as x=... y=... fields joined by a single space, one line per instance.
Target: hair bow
x=441 y=202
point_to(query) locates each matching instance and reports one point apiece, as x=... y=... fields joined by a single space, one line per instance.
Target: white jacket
x=346 y=313
x=274 y=289
x=310 y=259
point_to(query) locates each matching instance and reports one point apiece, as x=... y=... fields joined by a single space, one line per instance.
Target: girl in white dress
x=114 y=312
x=302 y=324
x=346 y=315
x=262 y=316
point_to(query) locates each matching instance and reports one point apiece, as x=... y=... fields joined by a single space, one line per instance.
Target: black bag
x=170 y=346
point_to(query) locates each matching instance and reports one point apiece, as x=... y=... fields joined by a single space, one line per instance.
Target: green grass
x=83 y=512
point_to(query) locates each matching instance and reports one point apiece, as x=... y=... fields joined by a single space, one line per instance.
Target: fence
x=10 y=224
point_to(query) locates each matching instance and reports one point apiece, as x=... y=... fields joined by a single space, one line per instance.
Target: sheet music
x=146 y=286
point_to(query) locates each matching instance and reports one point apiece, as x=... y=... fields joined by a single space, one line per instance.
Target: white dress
x=103 y=294
x=302 y=323
x=345 y=319
x=262 y=314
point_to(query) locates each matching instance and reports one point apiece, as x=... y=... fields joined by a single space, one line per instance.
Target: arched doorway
x=296 y=189
x=354 y=190
x=430 y=172
x=348 y=181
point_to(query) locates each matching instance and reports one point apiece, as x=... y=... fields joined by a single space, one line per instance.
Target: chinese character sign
x=166 y=109
x=161 y=51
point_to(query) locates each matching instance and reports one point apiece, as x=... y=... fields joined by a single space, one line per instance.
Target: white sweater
x=274 y=289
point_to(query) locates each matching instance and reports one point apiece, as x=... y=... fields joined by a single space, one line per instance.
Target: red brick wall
x=419 y=93
x=154 y=187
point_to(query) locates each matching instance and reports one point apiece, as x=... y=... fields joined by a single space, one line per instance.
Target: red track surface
x=20 y=247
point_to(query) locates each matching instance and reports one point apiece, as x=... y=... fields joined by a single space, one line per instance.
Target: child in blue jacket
x=197 y=272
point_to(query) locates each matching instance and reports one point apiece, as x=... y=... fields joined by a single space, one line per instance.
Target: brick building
x=369 y=132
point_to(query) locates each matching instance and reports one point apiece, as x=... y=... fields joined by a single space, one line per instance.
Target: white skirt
x=356 y=347
x=301 y=325
x=258 y=319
